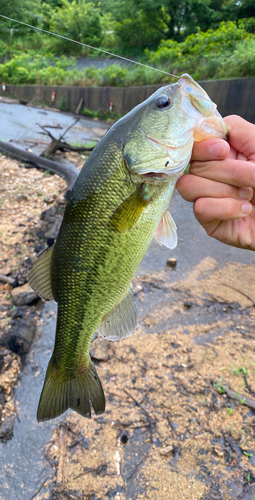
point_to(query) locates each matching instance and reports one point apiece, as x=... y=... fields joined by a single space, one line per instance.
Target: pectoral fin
x=39 y=277
x=121 y=321
x=128 y=213
x=166 y=233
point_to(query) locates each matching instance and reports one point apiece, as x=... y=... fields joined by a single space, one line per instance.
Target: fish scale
x=117 y=206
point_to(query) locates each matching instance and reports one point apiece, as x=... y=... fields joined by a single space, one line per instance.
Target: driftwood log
x=59 y=144
x=66 y=170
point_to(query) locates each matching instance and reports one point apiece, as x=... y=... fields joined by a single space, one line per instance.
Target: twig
x=54 y=126
x=34 y=141
x=99 y=471
x=79 y=106
x=77 y=120
x=239 y=291
x=145 y=413
x=239 y=397
x=46 y=131
x=6 y=279
x=248 y=385
x=42 y=485
x=136 y=467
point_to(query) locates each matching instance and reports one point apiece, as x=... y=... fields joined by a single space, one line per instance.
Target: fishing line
x=90 y=46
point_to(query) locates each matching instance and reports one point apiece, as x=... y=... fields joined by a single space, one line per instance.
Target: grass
x=90 y=144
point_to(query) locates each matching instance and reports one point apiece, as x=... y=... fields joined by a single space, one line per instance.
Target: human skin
x=221 y=184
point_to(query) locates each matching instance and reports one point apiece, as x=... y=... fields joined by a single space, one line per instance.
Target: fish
x=117 y=207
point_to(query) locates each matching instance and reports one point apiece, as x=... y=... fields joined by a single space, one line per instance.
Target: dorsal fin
x=121 y=321
x=39 y=277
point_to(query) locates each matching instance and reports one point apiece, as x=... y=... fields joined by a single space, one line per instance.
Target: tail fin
x=77 y=392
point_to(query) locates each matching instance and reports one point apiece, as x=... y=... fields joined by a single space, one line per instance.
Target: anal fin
x=166 y=233
x=121 y=321
x=39 y=277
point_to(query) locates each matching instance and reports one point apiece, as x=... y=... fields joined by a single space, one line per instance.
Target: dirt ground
x=179 y=421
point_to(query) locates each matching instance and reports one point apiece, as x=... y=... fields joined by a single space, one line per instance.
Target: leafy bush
x=227 y=52
x=204 y=54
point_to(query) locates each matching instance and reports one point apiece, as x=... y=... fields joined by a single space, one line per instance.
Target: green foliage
x=134 y=34
x=230 y=411
x=128 y=27
x=62 y=103
x=100 y=115
x=79 y=21
x=91 y=114
x=34 y=69
x=225 y=52
x=4 y=50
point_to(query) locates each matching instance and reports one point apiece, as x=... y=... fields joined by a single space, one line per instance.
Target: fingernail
x=245 y=193
x=218 y=149
x=246 y=208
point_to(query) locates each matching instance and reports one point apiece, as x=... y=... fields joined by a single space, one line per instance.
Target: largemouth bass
x=117 y=206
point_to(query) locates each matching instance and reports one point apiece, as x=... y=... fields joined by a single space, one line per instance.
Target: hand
x=221 y=184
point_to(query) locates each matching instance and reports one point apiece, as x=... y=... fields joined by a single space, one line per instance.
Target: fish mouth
x=211 y=124
x=157 y=175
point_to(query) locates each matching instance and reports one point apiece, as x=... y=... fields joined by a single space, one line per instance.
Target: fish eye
x=163 y=102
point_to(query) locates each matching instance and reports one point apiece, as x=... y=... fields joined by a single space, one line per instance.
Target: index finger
x=241 y=135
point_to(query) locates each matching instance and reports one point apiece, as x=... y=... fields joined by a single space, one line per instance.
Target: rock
x=166 y=451
x=5 y=270
x=24 y=295
x=218 y=452
x=188 y=304
x=40 y=234
x=49 y=214
x=21 y=277
x=19 y=312
x=7 y=286
x=20 y=337
x=39 y=248
x=53 y=231
x=171 y=263
x=124 y=437
x=6 y=429
x=138 y=289
x=2 y=397
x=21 y=198
x=99 y=349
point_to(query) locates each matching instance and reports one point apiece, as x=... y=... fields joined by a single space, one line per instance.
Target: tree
x=23 y=10
x=79 y=21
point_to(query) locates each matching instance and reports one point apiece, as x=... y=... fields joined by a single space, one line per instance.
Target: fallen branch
x=69 y=172
x=241 y=398
x=6 y=279
x=59 y=144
